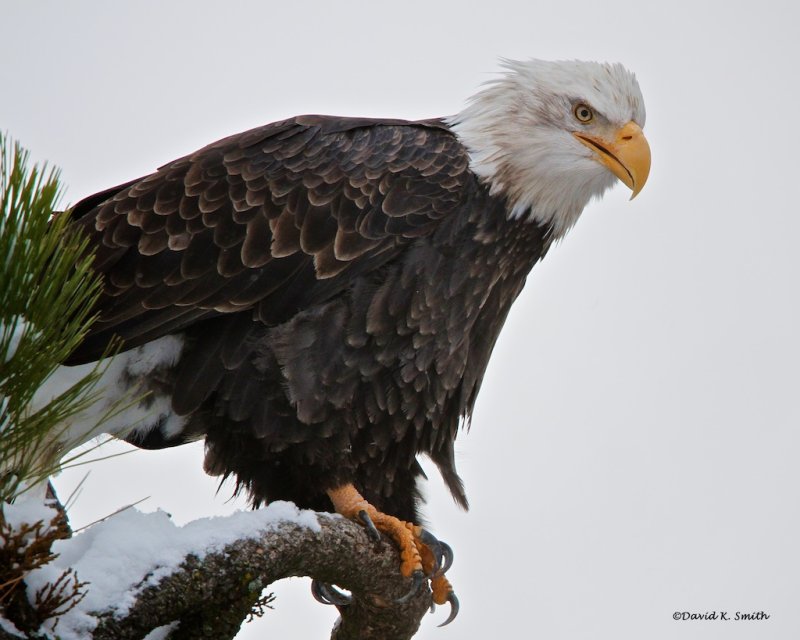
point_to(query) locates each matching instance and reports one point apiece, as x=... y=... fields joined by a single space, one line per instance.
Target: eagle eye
x=584 y=113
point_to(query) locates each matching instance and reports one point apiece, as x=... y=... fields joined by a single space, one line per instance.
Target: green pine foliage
x=47 y=290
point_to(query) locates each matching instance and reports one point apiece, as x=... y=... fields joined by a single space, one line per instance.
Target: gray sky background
x=634 y=449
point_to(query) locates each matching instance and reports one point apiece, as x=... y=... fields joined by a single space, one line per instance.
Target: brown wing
x=273 y=219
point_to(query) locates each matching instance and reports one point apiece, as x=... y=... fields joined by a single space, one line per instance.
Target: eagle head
x=550 y=136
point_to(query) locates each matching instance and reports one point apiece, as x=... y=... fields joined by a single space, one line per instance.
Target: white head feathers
x=518 y=131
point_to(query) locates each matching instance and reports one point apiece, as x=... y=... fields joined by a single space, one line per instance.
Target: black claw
x=428 y=538
x=442 y=553
x=447 y=556
x=417 y=580
x=316 y=591
x=328 y=594
x=454 y=606
x=372 y=530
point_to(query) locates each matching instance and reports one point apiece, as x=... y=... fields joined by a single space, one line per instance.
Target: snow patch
x=162 y=633
x=115 y=556
x=17 y=515
x=10 y=628
x=25 y=511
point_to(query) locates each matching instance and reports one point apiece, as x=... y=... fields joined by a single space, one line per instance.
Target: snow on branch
x=204 y=579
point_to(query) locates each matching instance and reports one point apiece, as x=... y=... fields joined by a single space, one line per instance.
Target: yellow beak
x=627 y=156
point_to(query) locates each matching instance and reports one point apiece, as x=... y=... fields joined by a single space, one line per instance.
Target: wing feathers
x=272 y=219
x=255 y=250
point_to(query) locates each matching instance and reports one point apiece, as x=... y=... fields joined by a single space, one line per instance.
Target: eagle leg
x=421 y=554
x=351 y=504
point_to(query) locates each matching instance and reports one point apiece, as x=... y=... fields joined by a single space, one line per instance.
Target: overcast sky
x=634 y=449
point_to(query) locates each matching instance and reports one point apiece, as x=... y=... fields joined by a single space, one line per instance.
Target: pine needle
x=47 y=294
x=111 y=515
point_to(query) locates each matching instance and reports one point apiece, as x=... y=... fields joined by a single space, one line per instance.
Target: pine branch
x=47 y=291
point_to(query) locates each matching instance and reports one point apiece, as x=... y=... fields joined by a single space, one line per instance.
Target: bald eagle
x=318 y=298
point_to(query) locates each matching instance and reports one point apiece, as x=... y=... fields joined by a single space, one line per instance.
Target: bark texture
x=213 y=596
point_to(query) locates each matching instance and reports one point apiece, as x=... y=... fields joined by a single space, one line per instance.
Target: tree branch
x=212 y=597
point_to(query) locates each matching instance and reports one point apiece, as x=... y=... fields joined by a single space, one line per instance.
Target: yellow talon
x=417 y=558
x=350 y=503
